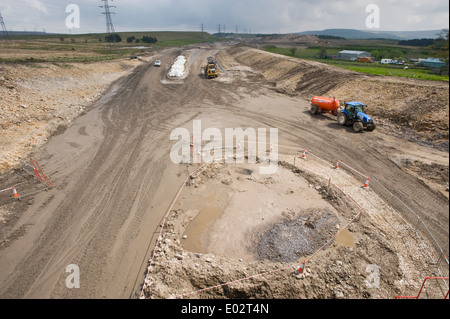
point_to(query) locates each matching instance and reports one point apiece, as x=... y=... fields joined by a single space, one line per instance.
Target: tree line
x=145 y=39
x=117 y=38
x=417 y=42
x=113 y=38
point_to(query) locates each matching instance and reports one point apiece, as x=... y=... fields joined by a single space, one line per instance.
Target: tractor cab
x=353 y=108
x=353 y=114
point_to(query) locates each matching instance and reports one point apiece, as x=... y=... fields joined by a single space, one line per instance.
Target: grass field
x=416 y=73
x=312 y=53
x=90 y=47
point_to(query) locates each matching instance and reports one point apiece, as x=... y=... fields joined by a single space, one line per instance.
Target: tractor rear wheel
x=342 y=118
x=358 y=127
x=314 y=109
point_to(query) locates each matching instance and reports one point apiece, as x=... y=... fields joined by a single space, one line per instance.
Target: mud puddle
x=237 y=206
x=194 y=239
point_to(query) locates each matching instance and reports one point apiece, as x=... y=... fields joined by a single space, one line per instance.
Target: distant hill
x=20 y=33
x=359 y=34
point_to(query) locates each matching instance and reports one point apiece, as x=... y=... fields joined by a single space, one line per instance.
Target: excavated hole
x=246 y=215
x=231 y=223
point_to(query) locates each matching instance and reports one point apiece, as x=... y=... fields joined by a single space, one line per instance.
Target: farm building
x=352 y=55
x=432 y=63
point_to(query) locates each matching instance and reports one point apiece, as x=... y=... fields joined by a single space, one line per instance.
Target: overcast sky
x=255 y=16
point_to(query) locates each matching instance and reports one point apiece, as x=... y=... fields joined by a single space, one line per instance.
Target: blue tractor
x=353 y=114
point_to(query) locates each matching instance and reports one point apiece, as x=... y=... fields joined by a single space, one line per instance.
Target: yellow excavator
x=211 y=68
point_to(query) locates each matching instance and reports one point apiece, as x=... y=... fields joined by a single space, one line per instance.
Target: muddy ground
x=115 y=181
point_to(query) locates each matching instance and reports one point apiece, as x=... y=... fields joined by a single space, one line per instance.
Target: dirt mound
x=291 y=39
x=291 y=76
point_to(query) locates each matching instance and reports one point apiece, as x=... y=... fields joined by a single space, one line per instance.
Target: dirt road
x=115 y=179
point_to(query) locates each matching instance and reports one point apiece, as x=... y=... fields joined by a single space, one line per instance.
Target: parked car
x=157 y=63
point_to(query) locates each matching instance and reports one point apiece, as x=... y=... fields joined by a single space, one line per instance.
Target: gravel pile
x=290 y=240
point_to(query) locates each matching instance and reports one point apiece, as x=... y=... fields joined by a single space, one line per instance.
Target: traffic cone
x=337 y=165
x=15 y=194
x=366 y=185
x=301 y=268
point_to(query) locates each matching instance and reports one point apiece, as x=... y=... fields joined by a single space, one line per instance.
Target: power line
x=5 y=31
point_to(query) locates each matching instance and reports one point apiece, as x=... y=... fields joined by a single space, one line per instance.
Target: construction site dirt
x=115 y=182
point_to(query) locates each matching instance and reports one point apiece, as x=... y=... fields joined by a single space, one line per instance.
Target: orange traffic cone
x=301 y=268
x=15 y=194
x=366 y=185
x=337 y=165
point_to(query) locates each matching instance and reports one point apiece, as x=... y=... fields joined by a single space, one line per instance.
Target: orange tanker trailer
x=325 y=105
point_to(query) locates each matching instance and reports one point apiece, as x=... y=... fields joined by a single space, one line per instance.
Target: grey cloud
x=264 y=16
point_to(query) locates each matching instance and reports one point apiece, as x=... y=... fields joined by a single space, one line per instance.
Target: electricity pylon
x=109 y=25
x=5 y=31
